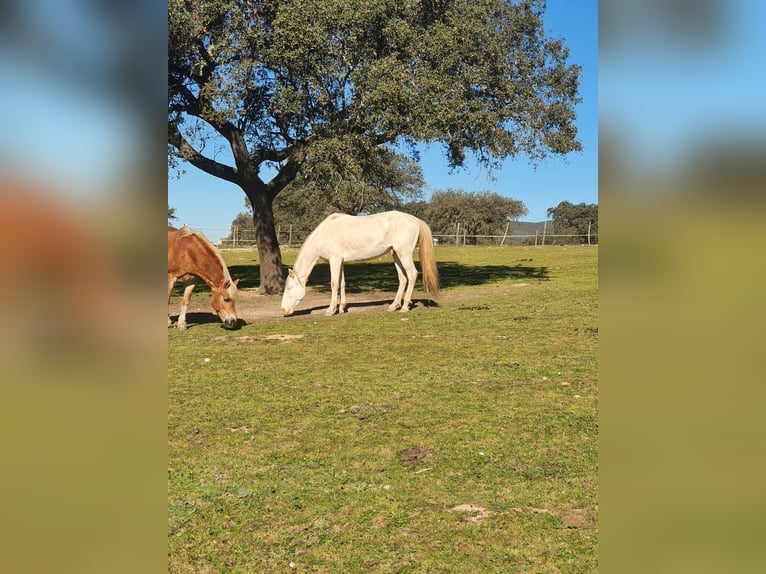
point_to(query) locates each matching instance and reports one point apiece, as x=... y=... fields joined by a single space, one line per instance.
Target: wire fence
x=292 y=238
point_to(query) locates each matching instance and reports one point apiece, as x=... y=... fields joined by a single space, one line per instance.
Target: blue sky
x=210 y=204
x=663 y=95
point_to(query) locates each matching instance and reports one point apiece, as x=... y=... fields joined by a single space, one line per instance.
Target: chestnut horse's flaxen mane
x=187 y=231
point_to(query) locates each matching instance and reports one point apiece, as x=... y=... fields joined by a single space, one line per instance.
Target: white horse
x=340 y=238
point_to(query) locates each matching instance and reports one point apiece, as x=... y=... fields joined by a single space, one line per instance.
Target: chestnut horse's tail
x=428 y=261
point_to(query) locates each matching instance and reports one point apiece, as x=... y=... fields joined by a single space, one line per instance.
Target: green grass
x=347 y=447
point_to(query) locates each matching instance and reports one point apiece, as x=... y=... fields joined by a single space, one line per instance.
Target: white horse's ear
x=290 y=273
x=236 y=282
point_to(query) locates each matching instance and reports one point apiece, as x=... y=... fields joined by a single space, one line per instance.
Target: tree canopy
x=260 y=92
x=477 y=213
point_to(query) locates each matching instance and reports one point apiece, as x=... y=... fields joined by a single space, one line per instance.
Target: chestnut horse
x=191 y=258
x=341 y=238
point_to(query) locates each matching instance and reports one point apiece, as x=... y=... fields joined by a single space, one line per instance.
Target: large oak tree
x=260 y=91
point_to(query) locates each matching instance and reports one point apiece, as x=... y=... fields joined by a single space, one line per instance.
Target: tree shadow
x=363 y=277
x=249 y=275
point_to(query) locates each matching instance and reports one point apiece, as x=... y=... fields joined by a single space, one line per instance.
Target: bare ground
x=251 y=306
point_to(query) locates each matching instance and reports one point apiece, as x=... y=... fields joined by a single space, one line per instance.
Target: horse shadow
x=384 y=303
x=202 y=318
x=350 y=305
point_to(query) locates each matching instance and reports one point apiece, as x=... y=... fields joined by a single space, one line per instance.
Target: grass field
x=457 y=438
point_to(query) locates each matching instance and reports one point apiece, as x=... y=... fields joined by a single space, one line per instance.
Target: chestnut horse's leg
x=184 y=305
x=171 y=282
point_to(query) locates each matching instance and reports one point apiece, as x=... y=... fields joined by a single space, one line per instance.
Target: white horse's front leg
x=184 y=305
x=335 y=271
x=402 y=282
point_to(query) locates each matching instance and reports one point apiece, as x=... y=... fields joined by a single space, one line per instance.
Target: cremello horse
x=192 y=258
x=340 y=238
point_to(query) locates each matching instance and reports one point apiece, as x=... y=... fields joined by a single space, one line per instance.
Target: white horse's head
x=294 y=293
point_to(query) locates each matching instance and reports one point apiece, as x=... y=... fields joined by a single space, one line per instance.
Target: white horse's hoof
x=181 y=326
x=329 y=312
x=404 y=309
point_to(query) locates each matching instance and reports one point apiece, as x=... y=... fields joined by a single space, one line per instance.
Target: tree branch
x=188 y=153
x=286 y=173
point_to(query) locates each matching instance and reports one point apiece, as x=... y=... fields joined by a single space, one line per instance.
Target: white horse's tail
x=428 y=261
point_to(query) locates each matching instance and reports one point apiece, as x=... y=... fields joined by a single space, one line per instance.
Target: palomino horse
x=340 y=238
x=192 y=258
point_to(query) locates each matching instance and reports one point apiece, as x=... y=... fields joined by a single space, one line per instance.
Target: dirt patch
x=413 y=455
x=473 y=512
x=253 y=338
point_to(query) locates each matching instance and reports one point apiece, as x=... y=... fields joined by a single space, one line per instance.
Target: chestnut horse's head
x=225 y=303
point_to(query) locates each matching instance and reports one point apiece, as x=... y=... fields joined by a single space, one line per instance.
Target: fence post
x=507 y=225
x=545 y=227
x=457 y=236
x=589 y=233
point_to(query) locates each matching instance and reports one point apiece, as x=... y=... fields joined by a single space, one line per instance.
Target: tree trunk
x=269 y=255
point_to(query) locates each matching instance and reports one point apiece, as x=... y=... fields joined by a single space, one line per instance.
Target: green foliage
x=478 y=76
x=577 y=220
x=462 y=438
x=390 y=180
x=171 y=213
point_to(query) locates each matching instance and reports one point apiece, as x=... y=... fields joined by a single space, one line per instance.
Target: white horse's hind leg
x=336 y=267
x=342 y=308
x=412 y=275
x=184 y=305
x=402 y=283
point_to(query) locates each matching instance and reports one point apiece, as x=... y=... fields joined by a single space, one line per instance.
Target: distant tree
x=320 y=87
x=242 y=227
x=304 y=203
x=478 y=213
x=574 y=219
x=171 y=213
